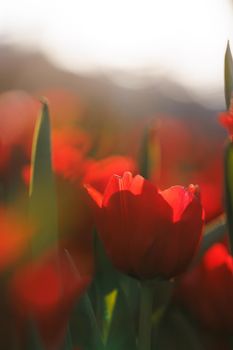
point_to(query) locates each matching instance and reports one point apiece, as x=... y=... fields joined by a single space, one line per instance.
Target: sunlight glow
x=183 y=38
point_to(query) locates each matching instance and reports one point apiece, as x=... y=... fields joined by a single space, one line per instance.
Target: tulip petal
x=147 y=232
x=126 y=180
x=178 y=198
x=137 y=185
x=95 y=195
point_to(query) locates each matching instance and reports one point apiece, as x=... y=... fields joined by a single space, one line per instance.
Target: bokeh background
x=111 y=71
x=113 y=68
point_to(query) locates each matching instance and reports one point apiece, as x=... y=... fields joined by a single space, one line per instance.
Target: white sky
x=184 y=38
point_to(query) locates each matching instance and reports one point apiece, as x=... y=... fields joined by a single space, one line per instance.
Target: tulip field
x=114 y=237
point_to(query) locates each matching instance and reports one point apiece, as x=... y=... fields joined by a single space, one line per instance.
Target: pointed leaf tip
x=43 y=205
x=228 y=75
x=44 y=101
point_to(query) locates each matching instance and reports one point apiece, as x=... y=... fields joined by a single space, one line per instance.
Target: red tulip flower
x=147 y=233
x=207 y=290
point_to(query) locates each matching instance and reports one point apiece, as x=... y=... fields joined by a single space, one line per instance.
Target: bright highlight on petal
x=178 y=198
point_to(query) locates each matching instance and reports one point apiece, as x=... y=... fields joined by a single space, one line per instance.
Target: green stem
x=145 y=321
x=228 y=173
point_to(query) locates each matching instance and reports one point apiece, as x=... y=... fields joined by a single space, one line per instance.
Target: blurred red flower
x=18 y=113
x=15 y=235
x=69 y=148
x=65 y=106
x=226 y=119
x=147 y=232
x=98 y=172
x=184 y=160
x=207 y=290
x=45 y=291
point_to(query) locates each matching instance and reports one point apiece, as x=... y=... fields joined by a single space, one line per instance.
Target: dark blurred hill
x=32 y=71
x=104 y=98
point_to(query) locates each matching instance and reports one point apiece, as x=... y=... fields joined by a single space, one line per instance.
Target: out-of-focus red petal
x=46 y=290
x=15 y=236
x=18 y=112
x=98 y=173
x=67 y=162
x=26 y=174
x=207 y=290
x=65 y=106
x=226 y=119
x=38 y=287
x=217 y=256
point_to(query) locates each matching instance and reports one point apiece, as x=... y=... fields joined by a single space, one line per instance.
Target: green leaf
x=118 y=323
x=131 y=289
x=68 y=345
x=211 y=236
x=84 y=329
x=228 y=72
x=33 y=340
x=106 y=275
x=121 y=333
x=143 y=156
x=176 y=332
x=43 y=204
x=113 y=310
x=228 y=173
x=109 y=306
x=149 y=156
x=105 y=282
